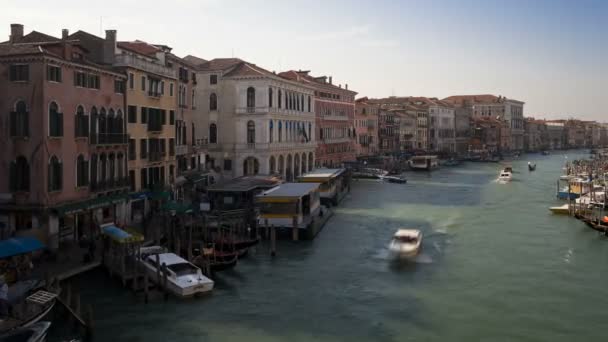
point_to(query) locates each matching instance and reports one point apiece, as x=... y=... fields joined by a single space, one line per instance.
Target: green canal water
x=495 y=266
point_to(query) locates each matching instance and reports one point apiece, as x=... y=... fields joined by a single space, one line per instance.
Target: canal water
x=496 y=266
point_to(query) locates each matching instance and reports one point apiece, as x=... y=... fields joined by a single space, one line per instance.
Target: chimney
x=340 y=86
x=330 y=80
x=109 y=47
x=346 y=86
x=64 y=34
x=16 y=33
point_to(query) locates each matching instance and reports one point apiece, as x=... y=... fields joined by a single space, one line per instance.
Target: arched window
x=94 y=119
x=281 y=165
x=296 y=165
x=193 y=100
x=287 y=101
x=19 y=178
x=250 y=132
x=250 y=97
x=290 y=101
x=111 y=167
x=309 y=104
x=320 y=133
x=279 y=98
x=81 y=123
x=55 y=174
x=110 y=123
x=102 y=121
x=55 y=121
x=93 y=168
x=302 y=102
x=310 y=161
x=269 y=97
x=271 y=131
x=280 y=131
x=212 y=101
x=304 y=163
x=103 y=168
x=212 y=134
x=120 y=166
x=251 y=166
x=82 y=171
x=309 y=131
x=119 y=123
x=297 y=98
x=273 y=165
x=19 y=121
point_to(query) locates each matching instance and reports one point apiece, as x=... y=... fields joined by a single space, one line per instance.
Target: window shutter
x=27 y=72
x=13 y=119
x=13 y=177
x=13 y=72
x=164 y=117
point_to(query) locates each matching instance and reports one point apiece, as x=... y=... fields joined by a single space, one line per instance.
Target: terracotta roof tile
x=140 y=47
x=219 y=64
x=18 y=49
x=196 y=61
x=304 y=77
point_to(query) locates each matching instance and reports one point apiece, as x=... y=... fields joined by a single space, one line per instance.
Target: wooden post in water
x=294 y=231
x=165 y=275
x=77 y=304
x=89 y=322
x=146 y=284
x=158 y=279
x=273 y=241
x=190 y=242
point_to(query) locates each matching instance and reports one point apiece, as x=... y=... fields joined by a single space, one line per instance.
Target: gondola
x=531 y=167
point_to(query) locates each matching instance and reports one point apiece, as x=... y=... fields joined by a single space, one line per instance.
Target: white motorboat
x=406 y=243
x=394 y=179
x=184 y=279
x=505 y=176
x=560 y=210
x=424 y=163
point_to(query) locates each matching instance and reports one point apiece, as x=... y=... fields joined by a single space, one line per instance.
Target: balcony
x=252 y=110
x=109 y=184
x=153 y=93
x=125 y=60
x=108 y=139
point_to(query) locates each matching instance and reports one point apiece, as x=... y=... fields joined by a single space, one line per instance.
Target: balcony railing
x=109 y=184
x=143 y=64
x=153 y=93
x=252 y=110
x=108 y=139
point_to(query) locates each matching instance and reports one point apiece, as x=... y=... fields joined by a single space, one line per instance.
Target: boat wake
x=568 y=256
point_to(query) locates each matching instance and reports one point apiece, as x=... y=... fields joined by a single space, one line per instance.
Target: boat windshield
x=406 y=239
x=183 y=269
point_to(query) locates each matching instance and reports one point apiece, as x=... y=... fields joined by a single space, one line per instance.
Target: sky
x=551 y=54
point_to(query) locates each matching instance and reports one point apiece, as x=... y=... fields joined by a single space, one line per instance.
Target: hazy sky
x=552 y=54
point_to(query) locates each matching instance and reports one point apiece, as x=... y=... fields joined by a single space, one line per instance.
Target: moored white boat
x=424 y=163
x=184 y=279
x=560 y=210
x=406 y=243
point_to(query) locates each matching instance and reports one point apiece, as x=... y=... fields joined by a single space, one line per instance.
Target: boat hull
x=565 y=195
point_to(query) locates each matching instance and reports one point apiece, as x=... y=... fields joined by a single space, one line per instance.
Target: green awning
x=93 y=203
x=160 y=195
x=179 y=208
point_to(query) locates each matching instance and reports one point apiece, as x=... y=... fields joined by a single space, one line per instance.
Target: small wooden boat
x=29 y=311
x=33 y=333
x=216 y=259
x=406 y=243
x=531 y=167
x=561 y=210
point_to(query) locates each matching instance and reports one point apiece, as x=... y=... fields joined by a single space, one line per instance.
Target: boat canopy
x=121 y=236
x=19 y=245
x=414 y=233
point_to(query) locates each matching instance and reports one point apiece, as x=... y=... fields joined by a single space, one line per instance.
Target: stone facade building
x=498 y=107
x=366 y=127
x=335 y=115
x=252 y=121
x=64 y=137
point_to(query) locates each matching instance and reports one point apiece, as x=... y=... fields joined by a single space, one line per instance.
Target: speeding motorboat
x=394 y=179
x=406 y=243
x=505 y=176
